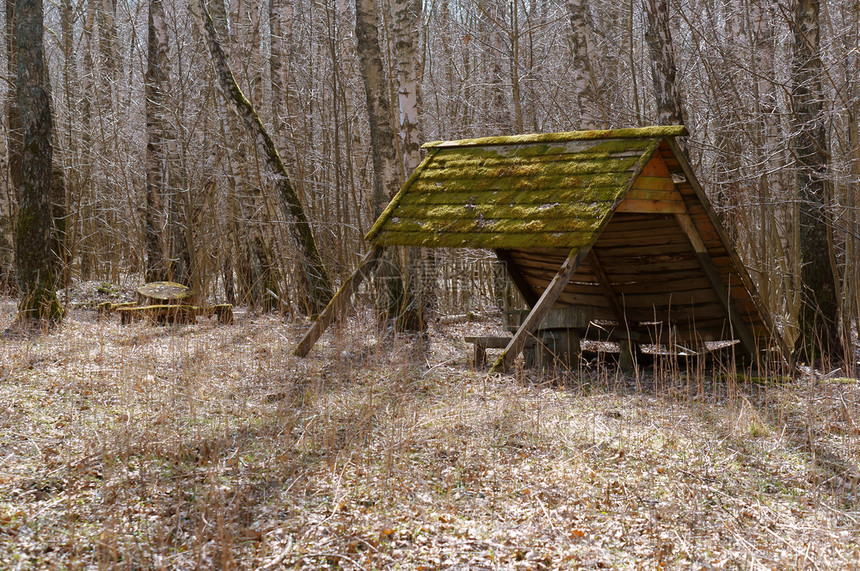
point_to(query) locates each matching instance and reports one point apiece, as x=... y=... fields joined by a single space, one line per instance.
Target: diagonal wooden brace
x=541 y=308
x=738 y=324
x=340 y=301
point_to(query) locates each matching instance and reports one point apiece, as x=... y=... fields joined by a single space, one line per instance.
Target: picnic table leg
x=625 y=360
x=480 y=355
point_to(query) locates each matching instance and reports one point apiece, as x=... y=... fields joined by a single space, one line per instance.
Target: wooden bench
x=482 y=343
x=105 y=309
x=172 y=313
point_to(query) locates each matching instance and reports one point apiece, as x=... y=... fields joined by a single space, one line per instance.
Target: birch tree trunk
x=387 y=171
x=583 y=81
x=664 y=72
x=387 y=174
x=315 y=283
x=418 y=290
x=819 y=329
x=34 y=259
x=407 y=25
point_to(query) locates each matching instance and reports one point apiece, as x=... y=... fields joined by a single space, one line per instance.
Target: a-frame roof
x=612 y=220
x=656 y=250
x=526 y=191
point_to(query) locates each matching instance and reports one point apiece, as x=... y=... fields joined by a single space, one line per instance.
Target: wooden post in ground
x=541 y=308
x=339 y=302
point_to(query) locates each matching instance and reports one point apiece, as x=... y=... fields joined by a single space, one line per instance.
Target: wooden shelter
x=612 y=220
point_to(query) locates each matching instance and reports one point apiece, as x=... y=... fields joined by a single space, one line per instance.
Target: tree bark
x=664 y=72
x=819 y=315
x=407 y=16
x=108 y=51
x=277 y=51
x=399 y=292
x=418 y=290
x=313 y=276
x=583 y=80
x=13 y=146
x=34 y=257
x=155 y=214
x=387 y=177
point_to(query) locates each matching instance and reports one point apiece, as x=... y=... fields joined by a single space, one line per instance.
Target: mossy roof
x=545 y=190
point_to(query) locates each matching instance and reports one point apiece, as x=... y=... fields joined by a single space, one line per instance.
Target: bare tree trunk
x=13 y=140
x=313 y=275
x=87 y=193
x=418 y=291
x=399 y=299
x=387 y=176
x=407 y=15
x=819 y=316
x=277 y=52
x=663 y=69
x=584 y=80
x=34 y=258
x=58 y=192
x=108 y=49
x=155 y=213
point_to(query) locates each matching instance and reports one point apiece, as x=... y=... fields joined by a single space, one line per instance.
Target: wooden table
x=170 y=302
x=165 y=293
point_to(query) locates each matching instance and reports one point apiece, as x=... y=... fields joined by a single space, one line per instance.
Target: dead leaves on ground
x=203 y=447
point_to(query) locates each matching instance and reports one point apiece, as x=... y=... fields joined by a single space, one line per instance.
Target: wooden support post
x=540 y=309
x=739 y=326
x=523 y=286
x=629 y=348
x=558 y=347
x=340 y=301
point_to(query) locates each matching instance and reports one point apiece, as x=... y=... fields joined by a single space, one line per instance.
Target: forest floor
x=211 y=446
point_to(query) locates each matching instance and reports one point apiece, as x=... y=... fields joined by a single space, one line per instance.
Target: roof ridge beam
x=596 y=135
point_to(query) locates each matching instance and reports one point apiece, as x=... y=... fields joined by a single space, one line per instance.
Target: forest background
x=154 y=173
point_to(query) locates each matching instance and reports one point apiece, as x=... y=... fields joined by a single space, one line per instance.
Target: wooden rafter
x=523 y=286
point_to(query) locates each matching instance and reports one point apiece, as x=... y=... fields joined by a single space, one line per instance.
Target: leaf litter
x=211 y=446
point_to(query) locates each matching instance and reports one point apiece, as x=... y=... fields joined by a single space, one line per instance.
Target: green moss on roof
x=488 y=240
x=554 y=190
x=634 y=133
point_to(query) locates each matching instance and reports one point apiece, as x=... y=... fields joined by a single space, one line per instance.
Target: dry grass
x=212 y=446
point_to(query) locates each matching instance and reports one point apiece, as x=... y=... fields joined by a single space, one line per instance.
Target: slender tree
x=155 y=214
x=401 y=287
x=13 y=148
x=819 y=329
x=584 y=80
x=664 y=72
x=34 y=257
x=387 y=174
x=313 y=275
